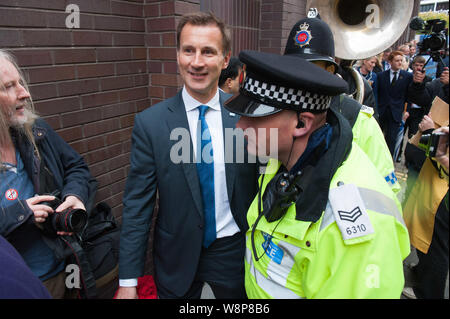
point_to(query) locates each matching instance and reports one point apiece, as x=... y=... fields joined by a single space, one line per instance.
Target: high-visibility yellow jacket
x=369 y=137
x=347 y=253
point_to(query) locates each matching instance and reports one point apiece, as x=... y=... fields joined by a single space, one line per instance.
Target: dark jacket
x=16 y=279
x=423 y=93
x=59 y=168
x=179 y=226
x=392 y=98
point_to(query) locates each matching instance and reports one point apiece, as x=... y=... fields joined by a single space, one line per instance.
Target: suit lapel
x=229 y=122
x=177 y=118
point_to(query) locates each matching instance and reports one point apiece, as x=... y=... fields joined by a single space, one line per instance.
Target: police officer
x=324 y=223
x=312 y=40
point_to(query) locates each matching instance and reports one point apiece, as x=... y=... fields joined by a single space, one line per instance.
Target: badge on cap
x=303 y=36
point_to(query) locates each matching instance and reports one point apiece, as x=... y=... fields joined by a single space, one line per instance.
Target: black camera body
x=435 y=38
x=429 y=143
x=69 y=220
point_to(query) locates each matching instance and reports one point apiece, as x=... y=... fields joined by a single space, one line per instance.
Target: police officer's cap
x=312 y=40
x=276 y=82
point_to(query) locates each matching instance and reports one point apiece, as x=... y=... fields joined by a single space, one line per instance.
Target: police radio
x=281 y=192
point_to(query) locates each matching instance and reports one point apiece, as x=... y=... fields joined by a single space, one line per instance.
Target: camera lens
x=77 y=220
x=71 y=221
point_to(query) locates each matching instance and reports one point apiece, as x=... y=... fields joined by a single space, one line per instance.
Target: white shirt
x=391 y=74
x=225 y=224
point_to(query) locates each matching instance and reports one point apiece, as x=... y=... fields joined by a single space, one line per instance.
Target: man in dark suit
x=392 y=92
x=203 y=199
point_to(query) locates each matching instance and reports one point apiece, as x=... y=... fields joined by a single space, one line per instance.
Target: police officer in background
x=318 y=48
x=324 y=223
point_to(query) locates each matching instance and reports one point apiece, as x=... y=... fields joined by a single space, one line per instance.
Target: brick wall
x=277 y=19
x=243 y=18
x=87 y=83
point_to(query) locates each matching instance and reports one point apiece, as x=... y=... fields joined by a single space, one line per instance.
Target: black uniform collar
x=317 y=176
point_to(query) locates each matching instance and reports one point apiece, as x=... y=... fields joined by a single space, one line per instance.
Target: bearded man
x=34 y=162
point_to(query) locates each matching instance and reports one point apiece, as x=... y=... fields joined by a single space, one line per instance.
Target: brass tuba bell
x=363 y=28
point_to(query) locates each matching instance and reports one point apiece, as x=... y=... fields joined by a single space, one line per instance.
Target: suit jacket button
x=200 y=226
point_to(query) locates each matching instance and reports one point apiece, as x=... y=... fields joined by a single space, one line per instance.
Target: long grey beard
x=26 y=121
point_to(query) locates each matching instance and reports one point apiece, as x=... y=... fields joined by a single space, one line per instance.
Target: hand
x=444 y=76
x=40 y=211
x=405 y=116
x=127 y=293
x=442 y=148
x=418 y=76
x=70 y=202
x=426 y=123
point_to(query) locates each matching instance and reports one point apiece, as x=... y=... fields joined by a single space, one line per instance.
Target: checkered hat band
x=304 y=100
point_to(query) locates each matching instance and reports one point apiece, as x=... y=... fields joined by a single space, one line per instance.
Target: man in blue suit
x=392 y=92
x=203 y=199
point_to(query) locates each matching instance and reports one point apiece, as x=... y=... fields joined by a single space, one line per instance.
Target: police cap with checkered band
x=274 y=82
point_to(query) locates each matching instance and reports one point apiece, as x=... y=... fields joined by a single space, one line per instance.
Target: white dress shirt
x=391 y=74
x=225 y=224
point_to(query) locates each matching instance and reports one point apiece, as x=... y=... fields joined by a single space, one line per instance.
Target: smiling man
x=199 y=232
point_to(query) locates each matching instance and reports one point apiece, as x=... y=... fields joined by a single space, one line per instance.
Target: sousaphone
x=364 y=28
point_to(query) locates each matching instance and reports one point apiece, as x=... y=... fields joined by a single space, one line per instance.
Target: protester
x=200 y=229
x=35 y=161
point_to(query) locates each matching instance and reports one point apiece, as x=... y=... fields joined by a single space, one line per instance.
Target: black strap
x=89 y=288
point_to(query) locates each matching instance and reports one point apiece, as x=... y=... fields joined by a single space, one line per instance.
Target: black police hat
x=312 y=40
x=276 y=82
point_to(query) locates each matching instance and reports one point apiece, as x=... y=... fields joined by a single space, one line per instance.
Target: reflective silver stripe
x=270 y=286
x=380 y=203
x=280 y=272
x=328 y=217
x=374 y=201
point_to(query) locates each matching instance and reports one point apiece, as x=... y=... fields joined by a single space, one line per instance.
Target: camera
x=69 y=220
x=429 y=143
x=435 y=38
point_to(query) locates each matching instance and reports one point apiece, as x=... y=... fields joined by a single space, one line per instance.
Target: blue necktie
x=205 y=169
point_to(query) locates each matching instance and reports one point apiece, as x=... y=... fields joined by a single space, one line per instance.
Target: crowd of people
x=321 y=219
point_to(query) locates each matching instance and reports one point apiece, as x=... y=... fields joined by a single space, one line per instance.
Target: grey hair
x=5 y=137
